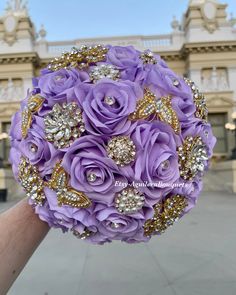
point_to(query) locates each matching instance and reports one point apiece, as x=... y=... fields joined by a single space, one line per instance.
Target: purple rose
x=58 y=86
x=15 y=129
x=164 y=82
x=190 y=190
x=90 y=169
x=156 y=158
x=56 y=216
x=184 y=108
x=14 y=157
x=126 y=59
x=108 y=105
x=202 y=129
x=110 y=225
x=37 y=149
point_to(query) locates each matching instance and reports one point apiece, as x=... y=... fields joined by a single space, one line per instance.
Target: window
x=5 y=142
x=218 y=121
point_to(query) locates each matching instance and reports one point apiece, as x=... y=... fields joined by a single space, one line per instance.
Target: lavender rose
x=204 y=130
x=91 y=170
x=156 y=160
x=37 y=149
x=108 y=105
x=110 y=225
x=58 y=86
x=126 y=59
x=165 y=81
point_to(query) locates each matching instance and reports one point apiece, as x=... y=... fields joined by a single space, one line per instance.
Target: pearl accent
x=129 y=201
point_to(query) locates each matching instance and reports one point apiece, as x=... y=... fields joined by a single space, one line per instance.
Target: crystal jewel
x=34 y=104
x=31 y=181
x=66 y=195
x=81 y=57
x=110 y=100
x=165 y=214
x=64 y=124
x=91 y=177
x=175 y=82
x=104 y=71
x=148 y=57
x=192 y=157
x=33 y=148
x=121 y=149
x=115 y=225
x=129 y=201
x=199 y=100
x=160 y=107
x=84 y=235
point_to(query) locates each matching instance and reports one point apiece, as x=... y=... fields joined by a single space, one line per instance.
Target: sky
x=74 y=19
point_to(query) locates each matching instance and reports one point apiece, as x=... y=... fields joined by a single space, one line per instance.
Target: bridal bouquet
x=111 y=144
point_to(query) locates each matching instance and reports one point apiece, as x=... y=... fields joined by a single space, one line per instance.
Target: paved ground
x=195 y=257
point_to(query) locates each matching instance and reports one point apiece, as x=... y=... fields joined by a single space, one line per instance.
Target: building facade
x=202 y=46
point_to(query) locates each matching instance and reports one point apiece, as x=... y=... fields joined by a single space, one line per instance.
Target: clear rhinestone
x=33 y=148
x=91 y=177
x=175 y=82
x=115 y=225
x=110 y=100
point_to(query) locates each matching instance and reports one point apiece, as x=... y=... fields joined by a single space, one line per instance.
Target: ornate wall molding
x=20 y=58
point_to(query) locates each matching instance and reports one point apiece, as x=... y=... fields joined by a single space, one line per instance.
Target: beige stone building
x=202 y=46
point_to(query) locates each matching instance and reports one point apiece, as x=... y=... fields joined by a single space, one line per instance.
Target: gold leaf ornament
x=165 y=214
x=79 y=57
x=199 y=100
x=34 y=104
x=31 y=181
x=160 y=107
x=66 y=195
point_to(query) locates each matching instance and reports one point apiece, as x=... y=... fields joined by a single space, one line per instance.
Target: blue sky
x=72 y=19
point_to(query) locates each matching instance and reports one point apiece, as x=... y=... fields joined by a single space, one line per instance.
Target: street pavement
x=194 y=257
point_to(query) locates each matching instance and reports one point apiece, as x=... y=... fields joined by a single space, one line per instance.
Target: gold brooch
x=165 y=214
x=66 y=195
x=199 y=100
x=161 y=107
x=34 y=104
x=79 y=57
x=192 y=157
x=31 y=181
x=84 y=235
x=148 y=57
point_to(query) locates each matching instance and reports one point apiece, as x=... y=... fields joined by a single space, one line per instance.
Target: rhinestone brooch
x=81 y=57
x=34 y=104
x=84 y=235
x=66 y=195
x=121 y=149
x=129 y=201
x=148 y=57
x=192 y=156
x=199 y=100
x=31 y=181
x=64 y=124
x=165 y=214
x=161 y=107
x=104 y=71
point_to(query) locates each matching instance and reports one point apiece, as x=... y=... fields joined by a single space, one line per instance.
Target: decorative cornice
x=206 y=47
x=20 y=58
x=187 y=49
x=199 y=47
